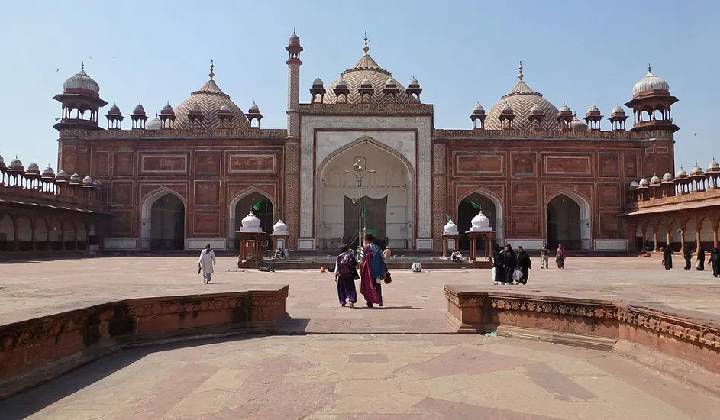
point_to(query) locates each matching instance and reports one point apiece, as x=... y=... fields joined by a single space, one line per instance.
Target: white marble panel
x=121 y=243
x=533 y=244
x=610 y=245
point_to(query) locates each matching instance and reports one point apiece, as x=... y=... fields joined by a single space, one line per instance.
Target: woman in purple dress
x=372 y=271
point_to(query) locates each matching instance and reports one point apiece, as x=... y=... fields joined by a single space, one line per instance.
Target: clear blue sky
x=580 y=53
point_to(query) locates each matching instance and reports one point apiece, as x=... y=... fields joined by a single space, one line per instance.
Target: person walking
x=509 y=263
x=700 y=260
x=206 y=262
x=687 y=254
x=667 y=257
x=345 y=275
x=372 y=272
x=715 y=262
x=524 y=264
x=544 y=257
x=560 y=256
x=498 y=270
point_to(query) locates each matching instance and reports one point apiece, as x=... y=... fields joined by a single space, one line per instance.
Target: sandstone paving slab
x=364 y=376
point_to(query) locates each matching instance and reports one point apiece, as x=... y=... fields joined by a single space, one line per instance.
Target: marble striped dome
x=523 y=101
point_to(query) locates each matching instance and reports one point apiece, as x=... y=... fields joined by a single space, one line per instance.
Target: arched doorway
x=7 y=233
x=260 y=205
x=568 y=222
x=40 y=234
x=469 y=208
x=383 y=204
x=167 y=223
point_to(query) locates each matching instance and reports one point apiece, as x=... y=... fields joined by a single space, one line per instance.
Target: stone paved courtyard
x=366 y=377
x=416 y=373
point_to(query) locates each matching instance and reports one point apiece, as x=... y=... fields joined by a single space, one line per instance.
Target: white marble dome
x=450 y=228
x=480 y=223
x=650 y=83
x=250 y=223
x=280 y=228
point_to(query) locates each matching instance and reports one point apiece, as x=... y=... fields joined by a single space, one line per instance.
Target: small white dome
x=633 y=184
x=650 y=83
x=318 y=82
x=681 y=173
x=654 y=180
x=696 y=170
x=667 y=177
x=713 y=166
x=250 y=223
x=450 y=228
x=480 y=223
x=577 y=125
x=280 y=228
x=643 y=183
x=154 y=124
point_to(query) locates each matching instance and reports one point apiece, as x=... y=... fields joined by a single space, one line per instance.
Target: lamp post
x=359 y=171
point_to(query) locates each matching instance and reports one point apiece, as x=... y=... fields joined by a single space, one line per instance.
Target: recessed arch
x=568 y=220
x=498 y=223
x=146 y=218
x=7 y=233
x=234 y=219
x=387 y=196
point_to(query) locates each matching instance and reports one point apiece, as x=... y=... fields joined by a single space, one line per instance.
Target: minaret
x=290 y=211
x=294 y=63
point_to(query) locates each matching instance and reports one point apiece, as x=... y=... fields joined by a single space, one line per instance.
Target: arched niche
x=7 y=233
x=568 y=221
x=240 y=206
x=163 y=220
x=469 y=206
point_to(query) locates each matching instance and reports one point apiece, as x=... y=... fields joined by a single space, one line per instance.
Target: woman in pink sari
x=372 y=271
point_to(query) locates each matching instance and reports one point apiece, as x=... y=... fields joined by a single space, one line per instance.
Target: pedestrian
x=715 y=261
x=700 y=260
x=509 y=263
x=667 y=257
x=498 y=271
x=206 y=263
x=524 y=264
x=544 y=257
x=687 y=254
x=372 y=272
x=345 y=275
x=560 y=256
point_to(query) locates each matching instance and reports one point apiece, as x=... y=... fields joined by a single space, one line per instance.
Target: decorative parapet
x=472 y=309
x=389 y=109
x=483 y=134
x=40 y=349
x=175 y=134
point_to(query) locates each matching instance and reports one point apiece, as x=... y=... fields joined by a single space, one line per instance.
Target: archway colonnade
x=28 y=232
x=696 y=229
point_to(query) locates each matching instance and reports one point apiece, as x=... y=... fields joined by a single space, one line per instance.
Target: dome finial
x=82 y=65
x=520 y=71
x=649 y=68
x=212 y=69
x=366 y=48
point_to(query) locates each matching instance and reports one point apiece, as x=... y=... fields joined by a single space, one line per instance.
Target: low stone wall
x=40 y=349
x=475 y=310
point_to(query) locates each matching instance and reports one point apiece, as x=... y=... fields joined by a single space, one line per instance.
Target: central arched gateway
x=163 y=221
x=568 y=222
x=469 y=208
x=384 y=203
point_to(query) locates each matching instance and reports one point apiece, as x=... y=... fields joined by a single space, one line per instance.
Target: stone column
x=656 y=248
x=682 y=240
x=715 y=234
x=697 y=236
x=291 y=206
x=439 y=194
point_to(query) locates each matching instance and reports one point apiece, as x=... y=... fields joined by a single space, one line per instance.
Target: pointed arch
x=146 y=213
x=400 y=202
x=585 y=216
x=7 y=233
x=232 y=209
x=499 y=210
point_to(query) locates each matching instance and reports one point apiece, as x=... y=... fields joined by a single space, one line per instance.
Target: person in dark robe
x=372 y=271
x=524 y=264
x=700 y=260
x=509 y=264
x=687 y=254
x=499 y=269
x=715 y=261
x=345 y=275
x=667 y=257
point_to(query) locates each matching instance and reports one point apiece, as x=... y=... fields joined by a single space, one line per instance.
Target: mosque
x=364 y=154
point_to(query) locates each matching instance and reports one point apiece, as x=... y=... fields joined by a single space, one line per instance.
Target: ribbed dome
x=681 y=173
x=114 y=110
x=618 y=110
x=522 y=99
x=713 y=166
x=578 y=125
x=367 y=69
x=154 y=124
x=650 y=83
x=209 y=99
x=81 y=83
x=139 y=110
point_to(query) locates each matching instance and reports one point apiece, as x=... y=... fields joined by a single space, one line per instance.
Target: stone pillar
x=715 y=234
x=697 y=236
x=439 y=195
x=656 y=248
x=682 y=240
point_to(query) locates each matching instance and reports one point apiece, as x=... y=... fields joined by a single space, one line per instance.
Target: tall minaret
x=294 y=64
x=291 y=195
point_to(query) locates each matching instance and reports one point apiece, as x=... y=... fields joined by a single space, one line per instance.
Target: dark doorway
x=370 y=213
x=167 y=223
x=469 y=208
x=563 y=223
x=262 y=208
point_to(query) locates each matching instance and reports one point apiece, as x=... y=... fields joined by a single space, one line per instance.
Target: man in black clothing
x=715 y=262
x=700 y=266
x=687 y=254
x=524 y=264
x=509 y=263
x=667 y=257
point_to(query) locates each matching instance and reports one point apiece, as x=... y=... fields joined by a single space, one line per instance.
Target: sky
x=153 y=52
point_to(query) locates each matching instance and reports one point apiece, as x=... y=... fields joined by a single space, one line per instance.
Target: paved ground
x=365 y=377
x=415 y=302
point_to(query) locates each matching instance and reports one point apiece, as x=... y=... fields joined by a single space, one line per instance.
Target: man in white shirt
x=206 y=263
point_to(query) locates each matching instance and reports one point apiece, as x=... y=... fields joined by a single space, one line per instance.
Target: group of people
x=511 y=268
x=713 y=261
x=373 y=272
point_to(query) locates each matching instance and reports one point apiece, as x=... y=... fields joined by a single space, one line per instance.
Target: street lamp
x=359 y=171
